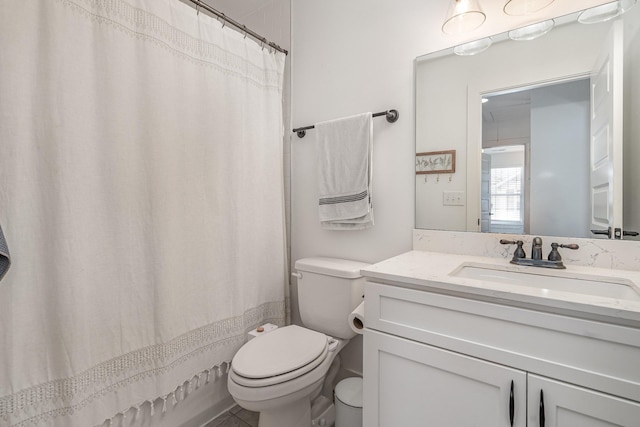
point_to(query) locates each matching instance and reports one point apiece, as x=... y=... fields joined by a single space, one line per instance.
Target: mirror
x=551 y=151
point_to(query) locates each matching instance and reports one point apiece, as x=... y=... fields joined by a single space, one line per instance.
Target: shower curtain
x=141 y=194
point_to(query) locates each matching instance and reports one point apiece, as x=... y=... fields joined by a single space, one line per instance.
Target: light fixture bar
x=605 y=12
x=532 y=31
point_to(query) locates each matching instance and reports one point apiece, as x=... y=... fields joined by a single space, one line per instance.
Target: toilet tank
x=329 y=289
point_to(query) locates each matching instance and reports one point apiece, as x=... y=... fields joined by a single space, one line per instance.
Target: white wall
x=560 y=194
x=348 y=58
x=441 y=97
x=504 y=132
x=356 y=56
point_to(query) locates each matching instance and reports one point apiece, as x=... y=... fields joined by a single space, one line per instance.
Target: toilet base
x=292 y=410
x=323 y=412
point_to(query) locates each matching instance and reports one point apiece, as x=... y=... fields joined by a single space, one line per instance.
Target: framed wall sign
x=436 y=162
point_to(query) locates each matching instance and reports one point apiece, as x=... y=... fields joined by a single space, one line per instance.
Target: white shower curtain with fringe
x=141 y=195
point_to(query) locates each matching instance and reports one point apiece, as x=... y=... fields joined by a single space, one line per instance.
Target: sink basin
x=609 y=287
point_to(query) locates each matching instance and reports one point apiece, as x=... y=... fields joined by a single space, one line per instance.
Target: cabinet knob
x=512 y=405
x=541 y=409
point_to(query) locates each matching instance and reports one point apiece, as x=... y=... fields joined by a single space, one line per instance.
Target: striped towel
x=344 y=151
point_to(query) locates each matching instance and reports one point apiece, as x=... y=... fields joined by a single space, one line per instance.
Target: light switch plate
x=453 y=198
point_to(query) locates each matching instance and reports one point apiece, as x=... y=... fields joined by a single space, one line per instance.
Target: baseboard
x=212 y=413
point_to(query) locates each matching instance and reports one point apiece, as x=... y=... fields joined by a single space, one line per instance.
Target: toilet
x=286 y=374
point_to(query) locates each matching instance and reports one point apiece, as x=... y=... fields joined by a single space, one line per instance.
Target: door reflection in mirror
x=537 y=141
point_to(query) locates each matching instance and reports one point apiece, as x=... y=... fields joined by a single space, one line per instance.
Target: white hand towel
x=344 y=150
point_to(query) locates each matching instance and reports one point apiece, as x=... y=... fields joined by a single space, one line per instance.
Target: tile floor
x=235 y=417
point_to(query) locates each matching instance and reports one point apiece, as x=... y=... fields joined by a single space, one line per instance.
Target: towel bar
x=391 y=116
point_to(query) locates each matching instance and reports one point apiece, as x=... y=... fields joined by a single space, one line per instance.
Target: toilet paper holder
x=356 y=319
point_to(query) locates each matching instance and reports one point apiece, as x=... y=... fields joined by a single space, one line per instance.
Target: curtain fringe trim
x=43 y=402
x=179 y=394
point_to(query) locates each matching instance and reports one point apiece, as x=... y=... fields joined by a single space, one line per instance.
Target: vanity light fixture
x=525 y=7
x=605 y=12
x=463 y=16
x=532 y=31
x=473 y=47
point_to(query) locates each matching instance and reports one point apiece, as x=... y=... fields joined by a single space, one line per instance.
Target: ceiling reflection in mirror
x=546 y=128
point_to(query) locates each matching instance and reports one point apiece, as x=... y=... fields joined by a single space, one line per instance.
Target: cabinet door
x=565 y=405
x=411 y=384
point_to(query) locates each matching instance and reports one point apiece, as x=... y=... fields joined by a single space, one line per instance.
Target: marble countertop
x=432 y=271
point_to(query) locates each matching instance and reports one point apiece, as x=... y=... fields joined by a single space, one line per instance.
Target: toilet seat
x=279 y=356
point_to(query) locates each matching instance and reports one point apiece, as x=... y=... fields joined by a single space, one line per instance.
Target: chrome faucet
x=536 y=248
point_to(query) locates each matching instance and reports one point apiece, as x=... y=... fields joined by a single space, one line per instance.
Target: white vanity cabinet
x=449 y=360
x=421 y=385
x=566 y=405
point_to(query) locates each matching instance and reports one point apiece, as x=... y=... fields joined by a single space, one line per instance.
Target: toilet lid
x=279 y=352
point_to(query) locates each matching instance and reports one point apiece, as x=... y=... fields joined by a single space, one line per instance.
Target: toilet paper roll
x=356 y=319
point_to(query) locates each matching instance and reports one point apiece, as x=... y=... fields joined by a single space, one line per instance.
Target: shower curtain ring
x=198 y=8
x=224 y=20
x=244 y=27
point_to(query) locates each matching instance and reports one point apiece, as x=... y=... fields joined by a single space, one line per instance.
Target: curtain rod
x=243 y=28
x=391 y=116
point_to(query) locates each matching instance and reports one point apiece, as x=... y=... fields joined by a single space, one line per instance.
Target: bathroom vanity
x=465 y=338
x=458 y=340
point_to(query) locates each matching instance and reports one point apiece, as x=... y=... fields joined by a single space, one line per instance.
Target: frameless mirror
x=545 y=133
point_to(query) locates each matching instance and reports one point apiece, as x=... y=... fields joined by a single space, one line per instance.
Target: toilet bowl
x=281 y=374
x=260 y=381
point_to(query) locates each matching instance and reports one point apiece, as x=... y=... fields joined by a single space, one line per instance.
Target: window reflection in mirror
x=505 y=190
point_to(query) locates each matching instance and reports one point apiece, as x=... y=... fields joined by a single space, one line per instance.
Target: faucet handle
x=569 y=246
x=519 y=252
x=509 y=242
x=554 y=255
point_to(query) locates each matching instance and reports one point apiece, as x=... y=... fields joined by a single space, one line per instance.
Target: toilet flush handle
x=297 y=275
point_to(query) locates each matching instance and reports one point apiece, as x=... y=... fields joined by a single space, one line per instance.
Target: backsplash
x=615 y=254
